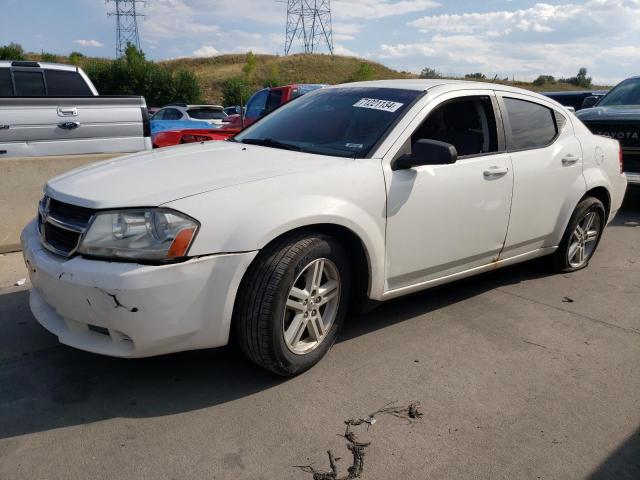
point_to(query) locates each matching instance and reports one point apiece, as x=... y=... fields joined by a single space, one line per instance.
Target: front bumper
x=133 y=310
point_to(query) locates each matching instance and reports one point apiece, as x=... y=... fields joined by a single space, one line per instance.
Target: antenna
x=309 y=21
x=126 y=24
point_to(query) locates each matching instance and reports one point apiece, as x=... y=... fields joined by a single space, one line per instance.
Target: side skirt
x=398 y=292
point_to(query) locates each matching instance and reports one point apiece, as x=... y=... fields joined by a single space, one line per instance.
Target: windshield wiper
x=270 y=142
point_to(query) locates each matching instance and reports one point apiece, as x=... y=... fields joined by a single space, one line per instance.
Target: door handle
x=569 y=160
x=68 y=111
x=68 y=125
x=495 y=172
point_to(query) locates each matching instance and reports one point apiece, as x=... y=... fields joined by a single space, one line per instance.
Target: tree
x=235 y=92
x=475 y=76
x=363 y=73
x=430 y=73
x=273 y=77
x=12 y=51
x=75 y=58
x=580 y=80
x=544 y=80
x=48 y=57
x=250 y=66
x=133 y=74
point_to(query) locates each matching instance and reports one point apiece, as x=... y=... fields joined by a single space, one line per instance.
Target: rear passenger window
x=6 y=88
x=532 y=125
x=29 y=84
x=62 y=83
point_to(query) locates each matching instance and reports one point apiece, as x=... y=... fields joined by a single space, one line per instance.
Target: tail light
x=146 y=124
x=194 y=138
x=620 y=159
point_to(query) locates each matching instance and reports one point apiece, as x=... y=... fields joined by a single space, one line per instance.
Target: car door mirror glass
x=427 y=152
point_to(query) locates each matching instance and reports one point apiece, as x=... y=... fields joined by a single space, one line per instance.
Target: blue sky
x=498 y=37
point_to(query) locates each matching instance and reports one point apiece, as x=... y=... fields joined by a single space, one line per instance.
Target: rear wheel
x=292 y=302
x=581 y=237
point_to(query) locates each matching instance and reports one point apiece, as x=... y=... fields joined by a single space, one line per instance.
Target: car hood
x=153 y=178
x=615 y=113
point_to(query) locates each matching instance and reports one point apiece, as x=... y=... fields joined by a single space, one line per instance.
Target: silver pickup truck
x=52 y=109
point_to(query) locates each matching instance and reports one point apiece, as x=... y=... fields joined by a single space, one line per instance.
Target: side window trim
x=507 y=124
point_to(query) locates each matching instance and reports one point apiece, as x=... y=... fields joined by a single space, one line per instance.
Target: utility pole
x=309 y=21
x=126 y=24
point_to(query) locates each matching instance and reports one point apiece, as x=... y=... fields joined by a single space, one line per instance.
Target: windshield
x=626 y=93
x=345 y=122
x=206 y=113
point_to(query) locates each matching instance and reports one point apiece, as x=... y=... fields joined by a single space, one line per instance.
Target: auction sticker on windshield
x=376 y=104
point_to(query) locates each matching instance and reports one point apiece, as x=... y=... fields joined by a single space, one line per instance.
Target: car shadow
x=53 y=386
x=623 y=463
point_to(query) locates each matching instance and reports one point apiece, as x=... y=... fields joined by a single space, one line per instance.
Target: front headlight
x=154 y=234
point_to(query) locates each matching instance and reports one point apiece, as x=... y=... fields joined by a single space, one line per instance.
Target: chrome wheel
x=311 y=307
x=584 y=239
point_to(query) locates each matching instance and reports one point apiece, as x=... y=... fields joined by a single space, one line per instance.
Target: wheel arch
x=602 y=194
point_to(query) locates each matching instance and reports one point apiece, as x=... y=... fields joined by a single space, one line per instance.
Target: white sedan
x=365 y=191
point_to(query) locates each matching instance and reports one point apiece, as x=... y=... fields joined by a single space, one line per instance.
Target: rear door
x=547 y=168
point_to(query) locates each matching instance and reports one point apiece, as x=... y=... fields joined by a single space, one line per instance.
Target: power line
x=309 y=21
x=126 y=24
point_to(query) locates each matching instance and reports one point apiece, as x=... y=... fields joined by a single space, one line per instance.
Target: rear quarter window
x=532 y=125
x=6 y=87
x=62 y=83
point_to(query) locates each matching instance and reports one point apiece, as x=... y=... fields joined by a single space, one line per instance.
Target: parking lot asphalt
x=520 y=374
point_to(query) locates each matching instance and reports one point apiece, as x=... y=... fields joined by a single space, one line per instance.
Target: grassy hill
x=213 y=72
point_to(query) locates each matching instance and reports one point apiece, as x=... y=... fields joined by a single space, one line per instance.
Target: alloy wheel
x=584 y=239
x=311 y=306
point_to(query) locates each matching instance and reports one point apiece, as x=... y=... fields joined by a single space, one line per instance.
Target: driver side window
x=467 y=123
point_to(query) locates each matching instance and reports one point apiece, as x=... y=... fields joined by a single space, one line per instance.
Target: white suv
x=211 y=114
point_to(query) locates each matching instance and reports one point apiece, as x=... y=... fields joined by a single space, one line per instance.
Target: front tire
x=582 y=236
x=292 y=303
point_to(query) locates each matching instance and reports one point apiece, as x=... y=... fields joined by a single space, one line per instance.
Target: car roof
x=442 y=84
x=36 y=64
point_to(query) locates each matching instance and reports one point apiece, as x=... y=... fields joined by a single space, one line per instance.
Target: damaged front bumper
x=133 y=310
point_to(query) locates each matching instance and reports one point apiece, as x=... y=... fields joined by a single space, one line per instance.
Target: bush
x=273 y=77
x=580 y=80
x=133 y=74
x=235 y=91
x=475 y=76
x=363 y=73
x=544 y=80
x=430 y=73
x=48 y=57
x=12 y=51
x=75 y=58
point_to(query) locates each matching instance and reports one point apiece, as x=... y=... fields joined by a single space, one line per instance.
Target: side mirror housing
x=427 y=152
x=590 y=101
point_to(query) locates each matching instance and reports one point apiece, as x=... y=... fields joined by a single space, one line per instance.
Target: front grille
x=62 y=225
x=628 y=134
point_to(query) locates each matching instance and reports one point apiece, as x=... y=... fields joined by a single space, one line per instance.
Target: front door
x=445 y=219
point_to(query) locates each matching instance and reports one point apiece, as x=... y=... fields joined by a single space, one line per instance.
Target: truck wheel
x=582 y=236
x=292 y=302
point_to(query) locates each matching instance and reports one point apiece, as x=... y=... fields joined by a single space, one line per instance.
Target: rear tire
x=582 y=236
x=292 y=302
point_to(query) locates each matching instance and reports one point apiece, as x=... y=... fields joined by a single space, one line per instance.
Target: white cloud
x=170 y=19
x=342 y=50
x=206 y=51
x=89 y=43
x=370 y=9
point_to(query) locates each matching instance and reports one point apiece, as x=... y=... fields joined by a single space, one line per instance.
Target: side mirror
x=590 y=101
x=427 y=152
